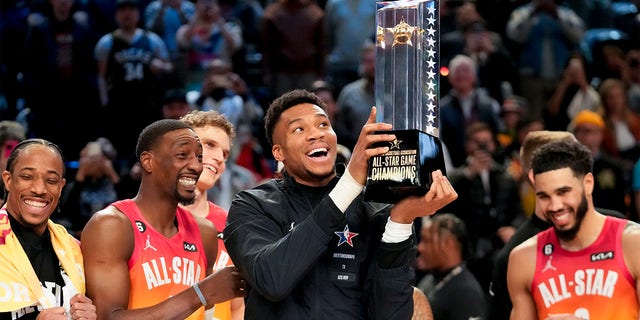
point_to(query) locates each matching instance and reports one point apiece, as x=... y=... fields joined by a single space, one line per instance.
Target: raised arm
x=260 y=245
x=362 y=151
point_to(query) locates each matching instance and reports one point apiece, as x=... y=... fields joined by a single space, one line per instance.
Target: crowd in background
x=88 y=75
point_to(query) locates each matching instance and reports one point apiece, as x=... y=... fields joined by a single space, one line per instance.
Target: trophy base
x=405 y=170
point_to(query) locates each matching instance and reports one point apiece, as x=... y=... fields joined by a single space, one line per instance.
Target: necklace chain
x=454 y=272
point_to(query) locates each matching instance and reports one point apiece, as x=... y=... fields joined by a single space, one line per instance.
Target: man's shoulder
x=526 y=247
x=611 y=212
x=269 y=189
x=109 y=213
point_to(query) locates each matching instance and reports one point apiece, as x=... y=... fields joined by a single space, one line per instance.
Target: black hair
x=562 y=154
x=21 y=146
x=284 y=102
x=457 y=228
x=151 y=134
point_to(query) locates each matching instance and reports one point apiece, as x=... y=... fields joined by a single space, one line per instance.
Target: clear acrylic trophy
x=407 y=96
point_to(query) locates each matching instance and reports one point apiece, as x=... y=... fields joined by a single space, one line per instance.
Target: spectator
x=13 y=33
x=546 y=34
x=622 y=133
x=565 y=255
x=61 y=77
x=488 y=200
x=448 y=15
x=325 y=91
x=485 y=47
x=164 y=18
x=496 y=13
x=225 y=92
x=42 y=270
x=463 y=105
x=632 y=78
x=292 y=42
x=247 y=14
x=347 y=24
x=175 y=104
x=234 y=179
x=356 y=98
x=443 y=250
x=358 y=258
x=216 y=135
x=595 y=14
x=251 y=155
x=522 y=127
x=124 y=239
x=573 y=94
x=511 y=114
x=612 y=62
x=11 y=133
x=94 y=185
x=207 y=36
x=131 y=63
x=610 y=189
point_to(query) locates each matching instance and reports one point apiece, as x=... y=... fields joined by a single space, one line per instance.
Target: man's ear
x=588 y=181
x=276 y=150
x=145 y=161
x=530 y=176
x=6 y=177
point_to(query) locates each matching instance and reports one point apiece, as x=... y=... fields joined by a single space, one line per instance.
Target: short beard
x=185 y=201
x=570 y=234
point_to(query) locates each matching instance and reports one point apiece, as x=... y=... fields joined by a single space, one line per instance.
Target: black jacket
x=289 y=242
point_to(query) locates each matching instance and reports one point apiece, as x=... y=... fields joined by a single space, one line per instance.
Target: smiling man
x=42 y=272
x=148 y=258
x=587 y=266
x=216 y=134
x=308 y=245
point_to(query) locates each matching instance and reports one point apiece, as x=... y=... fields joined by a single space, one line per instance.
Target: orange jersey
x=218 y=216
x=161 y=267
x=593 y=283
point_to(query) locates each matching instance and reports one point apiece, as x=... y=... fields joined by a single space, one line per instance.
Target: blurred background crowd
x=90 y=74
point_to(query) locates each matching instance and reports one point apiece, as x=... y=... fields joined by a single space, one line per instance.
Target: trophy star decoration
x=402 y=33
x=395 y=144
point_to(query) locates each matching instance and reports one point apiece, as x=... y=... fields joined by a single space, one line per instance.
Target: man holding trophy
x=309 y=245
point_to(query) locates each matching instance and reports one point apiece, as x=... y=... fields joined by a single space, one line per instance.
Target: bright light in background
x=444 y=71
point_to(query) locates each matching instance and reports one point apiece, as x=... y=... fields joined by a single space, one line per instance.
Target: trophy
x=406 y=95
